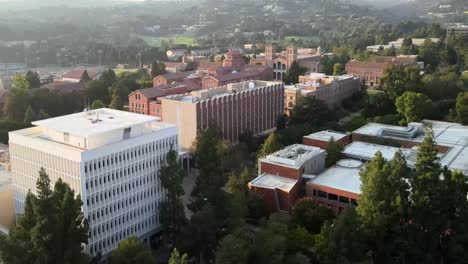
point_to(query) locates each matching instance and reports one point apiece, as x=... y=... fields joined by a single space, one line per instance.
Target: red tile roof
x=77 y=74
x=61 y=87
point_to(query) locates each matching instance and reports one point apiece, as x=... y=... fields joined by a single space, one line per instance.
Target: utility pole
x=139 y=59
x=74 y=58
x=100 y=54
x=58 y=59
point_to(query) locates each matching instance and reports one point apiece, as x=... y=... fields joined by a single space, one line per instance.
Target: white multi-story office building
x=112 y=158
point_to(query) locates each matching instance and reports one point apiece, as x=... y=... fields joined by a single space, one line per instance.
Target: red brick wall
x=286 y=200
x=159 y=80
x=137 y=103
x=324 y=144
x=208 y=83
x=274 y=169
x=335 y=206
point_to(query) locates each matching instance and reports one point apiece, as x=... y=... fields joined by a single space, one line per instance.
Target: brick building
x=234 y=109
x=338 y=186
x=372 y=70
x=171 y=78
x=145 y=101
x=322 y=138
x=280 y=180
x=330 y=89
x=280 y=62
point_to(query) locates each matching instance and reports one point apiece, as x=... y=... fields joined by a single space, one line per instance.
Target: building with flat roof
x=234 y=109
x=338 y=186
x=451 y=139
x=111 y=158
x=322 y=138
x=278 y=193
x=330 y=89
x=366 y=151
x=280 y=180
x=457 y=30
x=372 y=70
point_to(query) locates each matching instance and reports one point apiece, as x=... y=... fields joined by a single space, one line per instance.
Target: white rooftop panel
x=95 y=121
x=327 y=135
x=270 y=181
x=341 y=177
x=367 y=151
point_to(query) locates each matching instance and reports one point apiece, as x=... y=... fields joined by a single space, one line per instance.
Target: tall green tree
x=85 y=77
x=18 y=99
x=172 y=212
x=413 y=106
x=308 y=214
x=157 y=68
x=176 y=258
x=334 y=150
x=461 y=108
x=29 y=116
x=383 y=205
x=108 y=77
x=33 y=79
x=310 y=110
x=337 y=69
x=398 y=79
x=97 y=90
x=293 y=73
x=234 y=249
x=208 y=153
x=342 y=241
x=52 y=228
x=130 y=251
x=271 y=145
x=116 y=102
x=97 y=104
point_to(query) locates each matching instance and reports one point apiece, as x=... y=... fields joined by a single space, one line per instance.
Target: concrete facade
x=234 y=109
x=111 y=158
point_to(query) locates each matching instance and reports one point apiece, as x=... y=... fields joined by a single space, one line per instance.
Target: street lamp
x=139 y=58
x=100 y=54
x=58 y=59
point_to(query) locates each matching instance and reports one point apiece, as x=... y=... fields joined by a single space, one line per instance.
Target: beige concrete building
x=330 y=89
x=234 y=109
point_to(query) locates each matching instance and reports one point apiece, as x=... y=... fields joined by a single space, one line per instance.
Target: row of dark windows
x=114 y=239
x=121 y=220
x=334 y=197
x=127 y=155
x=121 y=173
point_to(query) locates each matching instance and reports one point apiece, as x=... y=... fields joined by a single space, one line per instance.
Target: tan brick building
x=234 y=109
x=330 y=89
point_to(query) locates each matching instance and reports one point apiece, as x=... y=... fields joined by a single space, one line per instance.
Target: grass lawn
x=373 y=92
x=117 y=71
x=177 y=39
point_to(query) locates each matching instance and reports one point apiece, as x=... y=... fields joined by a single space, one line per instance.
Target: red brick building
x=322 y=138
x=170 y=78
x=338 y=186
x=280 y=180
x=145 y=101
x=372 y=70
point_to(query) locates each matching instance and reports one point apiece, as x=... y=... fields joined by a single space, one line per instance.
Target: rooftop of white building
x=343 y=176
x=367 y=151
x=327 y=135
x=226 y=90
x=294 y=155
x=95 y=121
x=269 y=181
x=90 y=129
